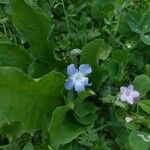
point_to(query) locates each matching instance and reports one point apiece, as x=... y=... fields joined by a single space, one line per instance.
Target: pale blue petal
x=69 y=84
x=130 y=100
x=130 y=87
x=123 y=97
x=79 y=87
x=123 y=89
x=85 y=69
x=134 y=94
x=71 y=70
x=85 y=81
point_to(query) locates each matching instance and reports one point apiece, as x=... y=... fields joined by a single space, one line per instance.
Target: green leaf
x=101 y=8
x=145 y=21
x=145 y=25
x=115 y=69
x=38 y=67
x=34 y=26
x=30 y=102
x=121 y=56
x=12 y=146
x=12 y=55
x=145 y=38
x=85 y=111
x=64 y=127
x=145 y=105
x=90 y=54
x=139 y=140
x=28 y=146
x=82 y=106
x=133 y=18
x=142 y=84
x=123 y=27
x=83 y=95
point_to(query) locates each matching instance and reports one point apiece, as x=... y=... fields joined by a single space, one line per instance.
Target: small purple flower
x=77 y=77
x=129 y=94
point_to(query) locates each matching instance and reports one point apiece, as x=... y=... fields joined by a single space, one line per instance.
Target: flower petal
x=79 y=87
x=123 y=97
x=85 y=69
x=123 y=89
x=134 y=94
x=130 y=87
x=71 y=70
x=69 y=84
x=85 y=81
x=130 y=100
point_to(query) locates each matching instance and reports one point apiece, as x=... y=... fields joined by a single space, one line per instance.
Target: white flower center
x=77 y=77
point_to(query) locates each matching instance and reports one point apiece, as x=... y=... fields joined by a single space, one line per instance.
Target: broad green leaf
x=145 y=21
x=121 y=56
x=123 y=27
x=12 y=55
x=12 y=146
x=38 y=67
x=133 y=18
x=142 y=84
x=90 y=54
x=145 y=105
x=101 y=8
x=145 y=38
x=84 y=107
x=34 y=26
x=138 y=59
x=85 y=111
x=139 y=140
x=83 y=95
x=115 y=69
x=29 y=146
x=87 y=119
x=30 y=102
x=145 y=25
x=64 y=127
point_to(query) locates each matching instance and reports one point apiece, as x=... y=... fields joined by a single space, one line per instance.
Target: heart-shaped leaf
x=30 y=102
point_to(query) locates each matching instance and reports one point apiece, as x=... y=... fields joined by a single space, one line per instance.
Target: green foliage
x=139 y=140
x=68 y=123
x=91 y=53
x=38 y=39
x=142 y=84
x=35 y=31
x=64 y=127
x=12 y=55
x=145 y=105
x=101 y=8
x=21 y=96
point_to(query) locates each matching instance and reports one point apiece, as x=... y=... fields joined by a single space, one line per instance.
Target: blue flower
x=129 y=94
x=77 y=77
